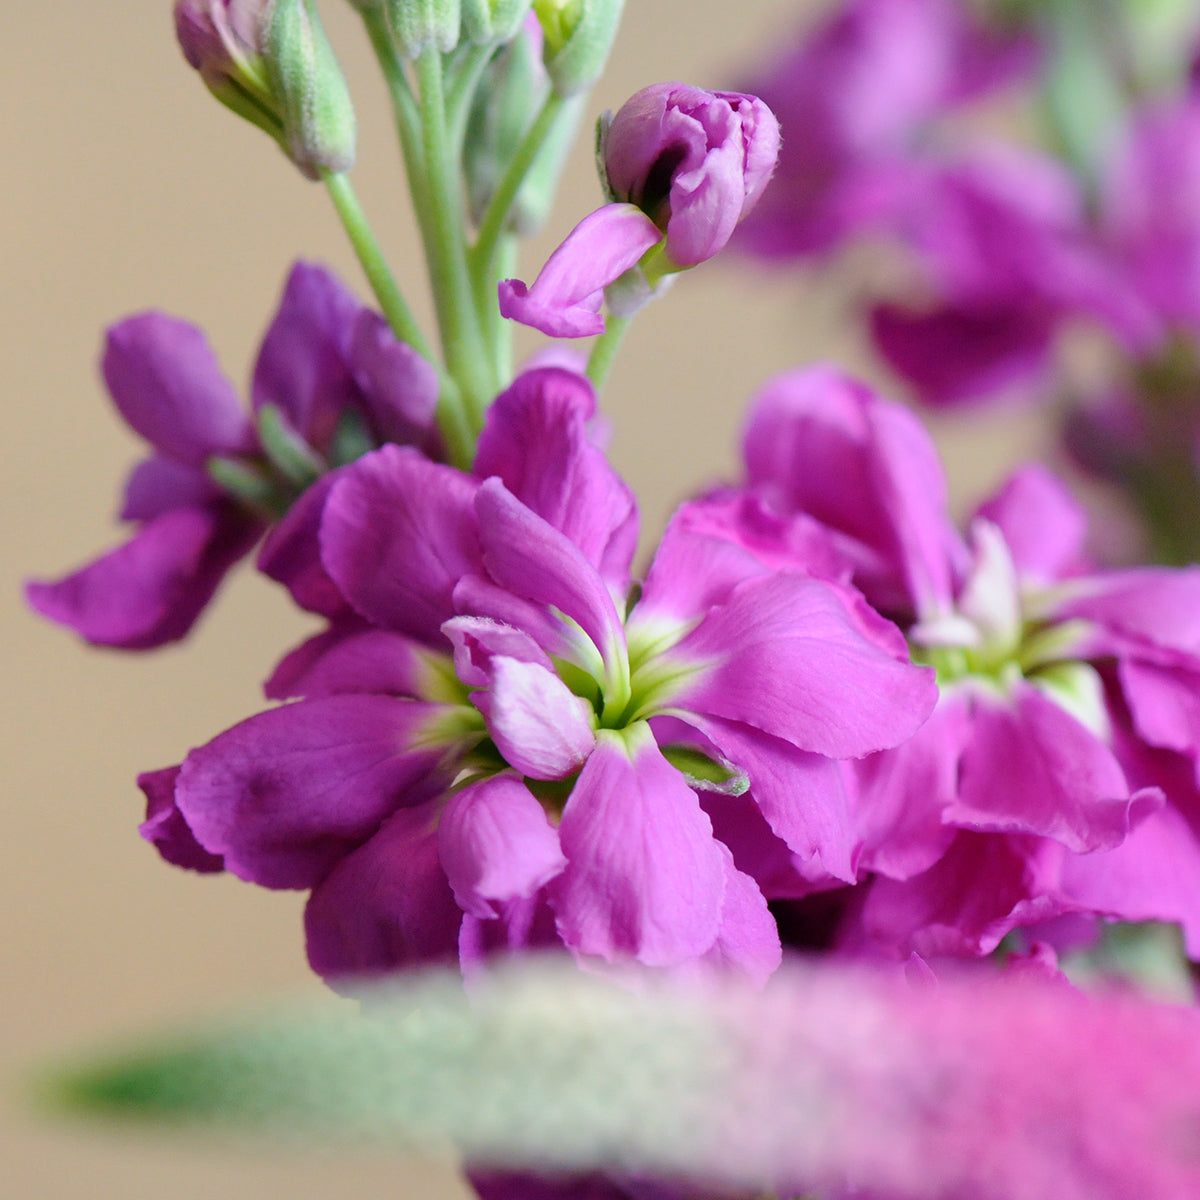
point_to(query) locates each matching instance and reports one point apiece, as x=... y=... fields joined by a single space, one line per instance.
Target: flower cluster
x=824 y=715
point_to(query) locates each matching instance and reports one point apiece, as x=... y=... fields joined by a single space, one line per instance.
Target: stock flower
x=683 y=166
x=497 y=751
x=856 y=99
x=1037 y=786
x=330 y=382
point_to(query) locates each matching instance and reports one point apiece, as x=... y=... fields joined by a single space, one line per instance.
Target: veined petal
x=497 y=844
x=398 y=533
x=386 y=905
x=286 y=794
x=166 y=383
x=1030 y=767
x=538 y=724
x=537 y=441
x=786 y=656
x=565 y=299
x=644 y=877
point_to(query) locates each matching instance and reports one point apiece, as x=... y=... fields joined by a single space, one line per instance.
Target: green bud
x=579 y=36
x=318 y=116
x=487 y=21
x=419 y=24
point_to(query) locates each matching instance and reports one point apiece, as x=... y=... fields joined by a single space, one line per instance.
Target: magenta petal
x=748 y=939
x=565 y=299
x=644 y=877
x=291 y=553
x=1042 y=523
x=348 y=659
x=1031 y=767
x=151 y=590
x=538 y=724
x=786 y=656
x=805 y=798
x=497 y=844
x=302 y=366
x=983 y=887
x=537 y=441
x=1164 y=703
x=532 y=559
x=387 y=905
x=167 y=385
x=1158 y=606
x=399 y=387
x=159 y=484
x=286 y=794
x=398 y=533
x=478 y=640
x=166 y=830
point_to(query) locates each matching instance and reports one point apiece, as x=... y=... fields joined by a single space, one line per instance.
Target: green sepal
x=319 y=125
x=287 y=451
x=419 y=24
x=492 y=21
x=248 y=484
x=351 y=440
x=579 y=37
x=706 y=773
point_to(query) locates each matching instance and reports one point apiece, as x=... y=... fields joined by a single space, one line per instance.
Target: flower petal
x=644 y=879
x=399 y=387
x=565 y=299
x=288 y=793
x=497 y=844
x=166 y=830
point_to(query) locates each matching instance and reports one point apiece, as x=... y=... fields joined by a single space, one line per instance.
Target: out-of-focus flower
x=492 y=752
x=1037 y=786
x=330 y=383
x=855 y=100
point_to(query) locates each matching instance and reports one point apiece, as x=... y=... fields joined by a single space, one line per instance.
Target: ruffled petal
x=645 y=879
x=497 y=844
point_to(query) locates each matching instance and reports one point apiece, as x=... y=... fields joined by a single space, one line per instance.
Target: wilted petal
x=785 y=656
x=288 y=793
x=167 y=384
x=166 y=830
x=644 y=878
x=566 y=297
x=398 y=533
x=151 y=590
x=497 y=844
x=387 y=905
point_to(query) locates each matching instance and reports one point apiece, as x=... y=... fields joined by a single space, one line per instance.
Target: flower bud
x=419 y=24
x=485 y=21
x=223 y=41
x=579 y=35
x=318 y=116
x=694 y=161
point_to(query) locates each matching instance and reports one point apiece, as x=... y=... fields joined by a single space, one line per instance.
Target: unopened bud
x=579 y=36
x=223 y=40
x=419 y=24
x=318 y=116
x=492 y=21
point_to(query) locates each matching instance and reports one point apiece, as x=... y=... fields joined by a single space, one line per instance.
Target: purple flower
x=330 y=382
x=685 y=166
x=1067 y=696
x=855 y=99
x=221 y=38
x=695 y=162
x=496 y=751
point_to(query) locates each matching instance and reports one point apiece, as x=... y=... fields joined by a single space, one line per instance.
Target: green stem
x=491 y=228
x=379 y=274
x=461 y=90
x=604 y=349
x=462 y=339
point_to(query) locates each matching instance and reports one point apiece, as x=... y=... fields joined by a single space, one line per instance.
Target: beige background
x=126 y=188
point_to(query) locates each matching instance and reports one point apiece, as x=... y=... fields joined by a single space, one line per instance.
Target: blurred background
x=129 y=188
